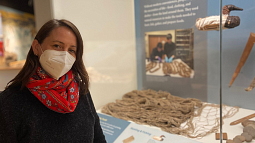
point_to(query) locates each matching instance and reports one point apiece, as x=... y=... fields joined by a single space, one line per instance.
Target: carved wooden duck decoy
x=213 y=22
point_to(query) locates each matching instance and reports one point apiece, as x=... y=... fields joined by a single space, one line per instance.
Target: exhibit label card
x=121 y=131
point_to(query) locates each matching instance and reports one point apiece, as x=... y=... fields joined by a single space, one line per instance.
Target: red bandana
x=58 y=95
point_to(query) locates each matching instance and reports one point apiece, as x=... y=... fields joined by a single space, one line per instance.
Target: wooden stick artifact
x=244 y=57
x=129 y=139
x=242 y=119
x=252 y=85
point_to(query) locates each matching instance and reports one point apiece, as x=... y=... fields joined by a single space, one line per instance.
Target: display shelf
x=181 y=45
x=231 y=131
x=16 y=65
x=181 y=35
x=182 y=40
x=10 y=68
x=184 y=45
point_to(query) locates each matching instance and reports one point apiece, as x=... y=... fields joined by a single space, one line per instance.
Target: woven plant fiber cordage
x=170 y=113
x=151 y=66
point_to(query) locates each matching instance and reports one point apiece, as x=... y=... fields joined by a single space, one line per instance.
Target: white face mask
x=56 y=63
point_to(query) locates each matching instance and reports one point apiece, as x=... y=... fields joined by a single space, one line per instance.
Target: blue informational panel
x=112 y=127
x=197 y=49
x=156 y=21
x=121 y=131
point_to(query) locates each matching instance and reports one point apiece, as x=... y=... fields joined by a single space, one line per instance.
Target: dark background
x=22 y=5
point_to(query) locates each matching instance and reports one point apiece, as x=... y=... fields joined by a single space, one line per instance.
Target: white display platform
x=231 y=131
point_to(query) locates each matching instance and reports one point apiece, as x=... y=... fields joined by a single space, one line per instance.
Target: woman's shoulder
x=7 y=93
x=11 y=95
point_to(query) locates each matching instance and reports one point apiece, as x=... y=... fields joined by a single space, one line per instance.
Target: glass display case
x=214 y=39
x=186 y=54
x=237 y=70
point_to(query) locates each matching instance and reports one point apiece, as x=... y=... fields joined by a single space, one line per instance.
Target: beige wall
x=107 y=28
x=43 y=12
x=6 y=76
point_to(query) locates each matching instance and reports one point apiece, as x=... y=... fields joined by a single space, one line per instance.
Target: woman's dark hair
x=159 y=45
x=32 y=61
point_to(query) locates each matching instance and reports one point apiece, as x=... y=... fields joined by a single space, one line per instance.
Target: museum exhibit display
x=193 y=62
x=188 y=90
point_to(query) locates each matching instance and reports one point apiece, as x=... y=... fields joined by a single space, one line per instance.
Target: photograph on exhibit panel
x=170 y=53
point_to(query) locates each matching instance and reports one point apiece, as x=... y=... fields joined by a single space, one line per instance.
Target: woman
x=48 y=101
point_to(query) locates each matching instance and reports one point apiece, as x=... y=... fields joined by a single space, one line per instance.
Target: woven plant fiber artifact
x=177 y=67
x=172 y=114
x=151 y=66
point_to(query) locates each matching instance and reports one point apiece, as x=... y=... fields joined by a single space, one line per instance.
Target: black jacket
x=155 y=53
x=169 y=49
x=24 y=119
